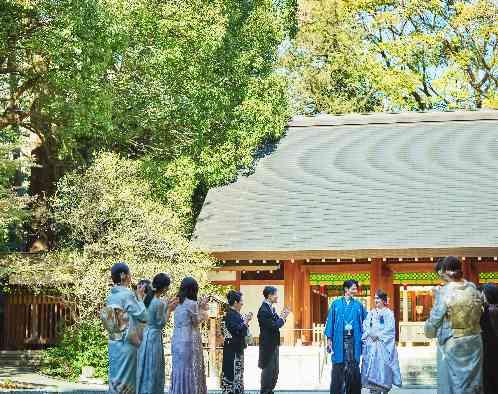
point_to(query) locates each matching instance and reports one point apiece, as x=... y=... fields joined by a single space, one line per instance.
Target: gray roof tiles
x=364 y=181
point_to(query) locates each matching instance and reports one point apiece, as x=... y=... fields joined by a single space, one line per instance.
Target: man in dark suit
x=269 y=339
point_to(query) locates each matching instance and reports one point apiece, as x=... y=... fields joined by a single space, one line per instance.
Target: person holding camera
x=269 y=339
x=235 y=331
x=150 y=372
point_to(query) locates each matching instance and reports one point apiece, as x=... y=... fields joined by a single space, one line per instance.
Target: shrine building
x=376 y=197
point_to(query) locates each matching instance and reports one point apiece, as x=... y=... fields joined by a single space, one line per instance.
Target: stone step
x=20 y=358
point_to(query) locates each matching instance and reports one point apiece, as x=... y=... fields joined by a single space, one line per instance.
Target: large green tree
x=449 y=48
x=201 y=92
x=406 y=55
x=190 y=86
x=331 y=69
x=54 y=60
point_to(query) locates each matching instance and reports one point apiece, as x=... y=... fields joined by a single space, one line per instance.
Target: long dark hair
x=188 y=289
x=160 y=282
x=149 y=294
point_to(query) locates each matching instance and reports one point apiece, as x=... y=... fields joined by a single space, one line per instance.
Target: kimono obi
x=120 y=327
x=464 y=310
x=115 y=320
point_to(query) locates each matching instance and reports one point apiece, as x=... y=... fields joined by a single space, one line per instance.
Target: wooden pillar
x=212 y=347
x=297 y=290
x=470 y=271
x=289 y=334
x=306 y=337
x=405 y=305
x=395 y=306
x=238 y=276
x=375 y=279
x=315 y=307
x=388 y=285
x=324 y=308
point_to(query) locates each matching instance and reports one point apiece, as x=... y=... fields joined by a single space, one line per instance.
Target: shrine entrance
x=327 y=287
x=416 y=299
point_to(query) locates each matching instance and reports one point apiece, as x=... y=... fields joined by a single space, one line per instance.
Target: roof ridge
x=358 y=119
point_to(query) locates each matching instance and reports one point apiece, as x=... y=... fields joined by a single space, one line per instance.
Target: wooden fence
x=32 y=321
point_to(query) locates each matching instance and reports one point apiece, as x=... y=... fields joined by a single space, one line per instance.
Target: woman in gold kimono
x=455 y=322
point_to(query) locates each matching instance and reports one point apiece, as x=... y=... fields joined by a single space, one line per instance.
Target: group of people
x=464 y=319
x=135 y=323
x=362 y=344
x=353 y=335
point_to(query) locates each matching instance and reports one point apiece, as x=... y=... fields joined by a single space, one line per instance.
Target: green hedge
x=82 y=345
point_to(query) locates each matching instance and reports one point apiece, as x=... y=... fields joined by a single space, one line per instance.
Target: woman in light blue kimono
x=455 y=322
x=150 y=371
x=121 y=315
x=380 y=365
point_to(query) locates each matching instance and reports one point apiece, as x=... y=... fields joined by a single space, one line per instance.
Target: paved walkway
x=40 y=384
x=301 y=371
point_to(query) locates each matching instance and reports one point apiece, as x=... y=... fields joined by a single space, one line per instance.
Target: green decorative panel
x=488 y=277
x=416 y=278
x=338 y=278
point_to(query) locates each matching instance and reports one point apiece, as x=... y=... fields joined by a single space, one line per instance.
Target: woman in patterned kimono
x=150 y=371
x=380 y=365
x=187 y=375
x=455 y=322
x=235 y=332
x=489 y=326
x=124 y=309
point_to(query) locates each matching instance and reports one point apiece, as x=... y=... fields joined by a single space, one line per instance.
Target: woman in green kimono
x=455 y=322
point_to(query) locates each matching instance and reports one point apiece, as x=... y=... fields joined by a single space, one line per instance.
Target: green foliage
x=81 y=346
x=205 y=97
x=165 y=81
x=13 y=210
x=397 y=55
x=108 y=214
x=60 y=92
x=332 y=72
x=105 y=214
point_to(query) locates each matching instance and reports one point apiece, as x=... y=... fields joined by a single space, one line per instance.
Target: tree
x=108 y=214
x=201 y=93
x=415 y=54
x=54 y=61
x=13 y=209
x=165 y=80
x=332 y=70
x=450 y=47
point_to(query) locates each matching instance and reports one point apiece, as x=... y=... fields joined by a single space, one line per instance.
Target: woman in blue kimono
x=121 y=315
x=344 y=329
x=380 y=365
x=150 y=371
x=455 y=322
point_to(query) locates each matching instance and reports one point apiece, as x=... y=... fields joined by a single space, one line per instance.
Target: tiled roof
x=381 y=181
